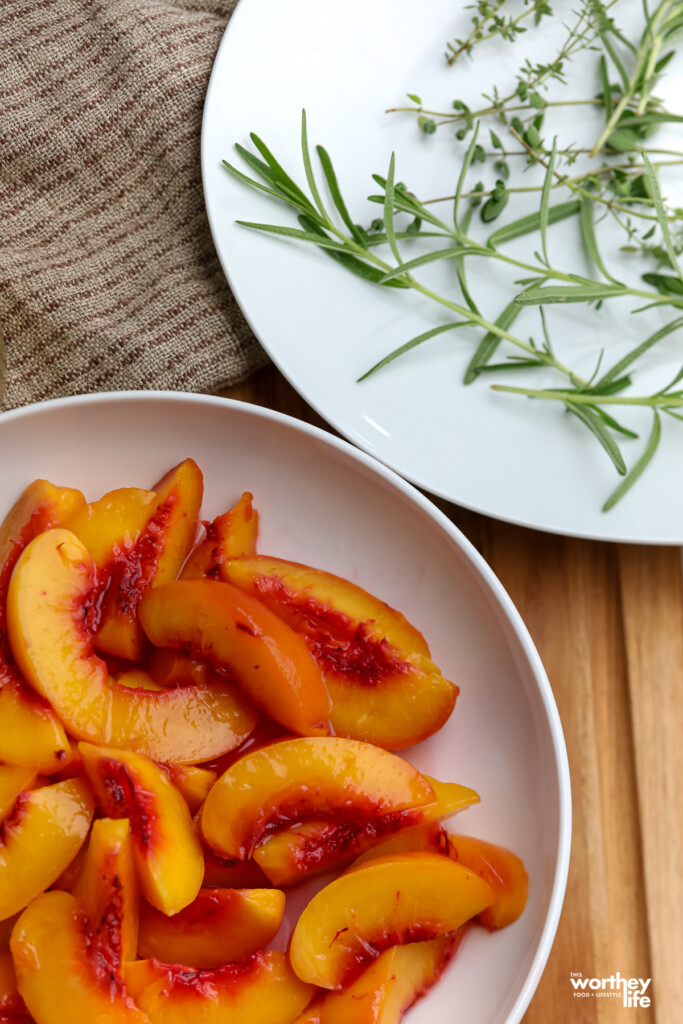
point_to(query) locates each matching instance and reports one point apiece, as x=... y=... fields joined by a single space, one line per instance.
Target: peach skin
x=43 y=835
x=167 y=853
x=49 y=597
x=108 y=887
x=231 y=535
x=310 y=847
x=31 y=733
x=262 y=989
x=323 y=776
x=504 y=872
x=406 y=898
x=239 y=635
x=220 y=927
x=14 y=779
x=392 y=984
x=382 y=683
x=61 y=977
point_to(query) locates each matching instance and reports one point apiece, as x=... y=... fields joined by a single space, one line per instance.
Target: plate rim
x=470 y=554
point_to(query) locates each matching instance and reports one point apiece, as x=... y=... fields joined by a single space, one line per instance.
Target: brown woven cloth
x=108 y=274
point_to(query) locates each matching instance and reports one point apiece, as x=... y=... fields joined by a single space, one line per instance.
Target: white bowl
x=323 y=502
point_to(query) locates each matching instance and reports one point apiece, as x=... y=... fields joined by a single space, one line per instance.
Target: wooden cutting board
x=608 y=623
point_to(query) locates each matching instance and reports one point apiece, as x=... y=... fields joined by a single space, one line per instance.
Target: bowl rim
x=467 y=550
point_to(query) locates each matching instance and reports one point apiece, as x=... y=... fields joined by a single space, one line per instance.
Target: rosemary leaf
x=589 y=240
x=449 y=253
x=545 y=200
x=308 y=168
x=348 y=260
x=555 y=293
x=389 y=210
x=661 y=215
x=335 y=192
x=594 y=423
x=638 y=467
x=532 y=222
x=489 y=343
x=413 y=343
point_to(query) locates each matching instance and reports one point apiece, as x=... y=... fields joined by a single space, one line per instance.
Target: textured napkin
x=108 y=274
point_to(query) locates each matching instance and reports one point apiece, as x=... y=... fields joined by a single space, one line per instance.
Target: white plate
x=323 y=502
x=498 y=454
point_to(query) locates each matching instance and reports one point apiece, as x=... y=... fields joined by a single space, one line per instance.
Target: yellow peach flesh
x=302 y=777
x=387 y=902
x=44 y=834
x=48 y=596
x=58 y=977
x=166 y=850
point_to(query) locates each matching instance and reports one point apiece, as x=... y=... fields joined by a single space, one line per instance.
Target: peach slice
x=345 y=779
x=14 y=779
x=237 y=634
x=232 y=874
x=194 y=783
x=383 y=686
x=166 y=851
x=220 y=927
x=310 y=847
x=43 y=835
x=31 y=733
x=498 y=866
x=62 y=978
x=138 y=539
x=10 y=1000
x=262 y=989
x=48 y=600
x=108 y=887
x=504 y=872
x=390 y=985
x=231 y=535
x=390 y=901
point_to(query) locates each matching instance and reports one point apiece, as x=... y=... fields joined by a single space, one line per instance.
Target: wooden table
x=608 y=623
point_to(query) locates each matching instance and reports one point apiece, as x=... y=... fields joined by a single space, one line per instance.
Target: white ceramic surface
x=346 y=63
x=323 y=502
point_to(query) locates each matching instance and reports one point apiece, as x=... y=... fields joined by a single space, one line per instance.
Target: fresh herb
x=624 y=185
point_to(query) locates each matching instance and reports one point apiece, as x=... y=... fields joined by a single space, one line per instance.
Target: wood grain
x=607 y=621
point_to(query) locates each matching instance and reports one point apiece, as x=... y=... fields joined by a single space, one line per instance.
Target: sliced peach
x=31 y=732
x=389 y=986
x=383 y=686
x=108 y=887
x=390 y=901
x=167 y=853
x=194 y=783
x=498 y=866
x=46 y=830
x=504 y=872
x=61 y=976
x=284 y=782
x=220 y=927
x=49 y=597
x=138 y=539
x=310 y=847
x=71 y=872
x=262 y=989
x=236 y=633
x=14 y=779
x=231 y=535
x=232 y=874
x=10 y=1000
